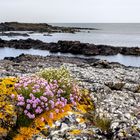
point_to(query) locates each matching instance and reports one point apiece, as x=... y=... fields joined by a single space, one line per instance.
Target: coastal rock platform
x=115 y=90
x=74 y=47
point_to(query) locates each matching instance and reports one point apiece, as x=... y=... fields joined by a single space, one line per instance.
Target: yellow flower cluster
x=7 y=112
x=26 y=133
x=7 y=85
x=9 y=115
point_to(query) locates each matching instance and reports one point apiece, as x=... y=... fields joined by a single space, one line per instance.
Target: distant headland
x=39 y=27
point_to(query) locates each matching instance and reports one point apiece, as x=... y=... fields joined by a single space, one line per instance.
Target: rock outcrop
x=38 y=27
x=74 y=47
x=14 y=34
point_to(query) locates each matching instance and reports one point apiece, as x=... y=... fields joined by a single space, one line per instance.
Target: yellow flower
x=82 y=108
x=9 y=109
x=7 y=85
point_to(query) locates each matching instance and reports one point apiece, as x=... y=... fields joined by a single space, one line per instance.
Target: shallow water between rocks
x=125 y=60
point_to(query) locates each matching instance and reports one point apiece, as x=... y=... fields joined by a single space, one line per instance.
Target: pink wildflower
x=25 y=111
x=13 y=96
x=28 y=106
x=42 y=119
x=51 y=115
x=57 y=110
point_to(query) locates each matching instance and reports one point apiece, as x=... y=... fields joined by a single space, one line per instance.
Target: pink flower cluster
x=36 y=95
x=74 y=96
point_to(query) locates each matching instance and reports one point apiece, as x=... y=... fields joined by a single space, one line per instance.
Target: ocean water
x=116 y=34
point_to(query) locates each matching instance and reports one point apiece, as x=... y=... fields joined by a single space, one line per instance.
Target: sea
x=115 y=34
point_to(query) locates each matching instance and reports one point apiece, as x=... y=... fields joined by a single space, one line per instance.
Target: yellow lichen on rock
x=26 y=133
x=75 y=132
x=54 y=116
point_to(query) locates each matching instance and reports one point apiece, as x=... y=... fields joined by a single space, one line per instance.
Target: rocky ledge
x=38 y=27
x=74 y=47
x=14 y=34
x=114 y=88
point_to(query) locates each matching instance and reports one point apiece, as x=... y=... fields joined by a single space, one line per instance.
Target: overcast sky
x=58 y=11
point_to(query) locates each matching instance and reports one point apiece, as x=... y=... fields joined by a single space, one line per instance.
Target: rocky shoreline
x=74 y=47
x=10 y=34
x=39 y=27
x=114 y=88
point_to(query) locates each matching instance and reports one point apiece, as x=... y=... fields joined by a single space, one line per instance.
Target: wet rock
x=10 y=34
x=130 y=51
x=9 y=58
x=74 y=47
x=101 y=64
